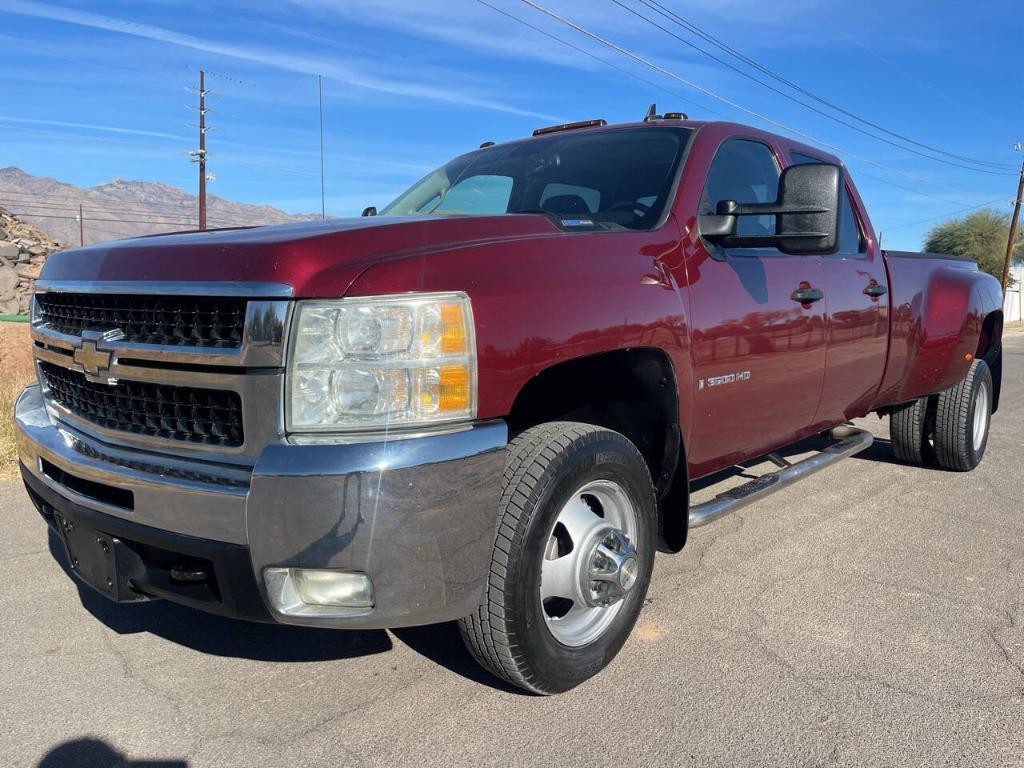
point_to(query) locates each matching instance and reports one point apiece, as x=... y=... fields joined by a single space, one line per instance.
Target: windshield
x=608 y=179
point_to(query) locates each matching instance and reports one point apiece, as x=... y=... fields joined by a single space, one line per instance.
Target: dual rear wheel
x=950 y=429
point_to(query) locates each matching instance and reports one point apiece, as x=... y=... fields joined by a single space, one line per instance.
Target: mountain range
x=121 y=208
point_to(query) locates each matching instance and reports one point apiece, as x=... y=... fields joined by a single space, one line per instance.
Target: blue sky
x=97 y=90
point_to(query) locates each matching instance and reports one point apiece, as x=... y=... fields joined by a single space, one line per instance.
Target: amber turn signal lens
x=453 y=388
x=453 y=329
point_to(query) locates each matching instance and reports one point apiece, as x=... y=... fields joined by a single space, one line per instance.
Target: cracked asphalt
x=871 y=615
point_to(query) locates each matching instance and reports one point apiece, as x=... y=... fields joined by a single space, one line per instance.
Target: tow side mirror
x=370 y=210
x=806 y=214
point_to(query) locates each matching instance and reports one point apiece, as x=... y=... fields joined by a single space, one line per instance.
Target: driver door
x=758 y=354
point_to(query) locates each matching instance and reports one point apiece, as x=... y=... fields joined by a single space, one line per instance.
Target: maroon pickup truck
x=487 y=404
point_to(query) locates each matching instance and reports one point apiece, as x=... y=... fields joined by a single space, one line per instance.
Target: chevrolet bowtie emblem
x=92 y=360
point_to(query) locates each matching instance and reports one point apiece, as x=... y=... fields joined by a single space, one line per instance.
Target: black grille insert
x=195 y=321
x=207 y=416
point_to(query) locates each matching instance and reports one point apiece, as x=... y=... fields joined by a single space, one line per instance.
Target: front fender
x=539 y=302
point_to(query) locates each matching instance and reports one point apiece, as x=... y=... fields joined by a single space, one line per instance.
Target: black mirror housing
x=370 y=210
x=806 y=214
x=809 y=186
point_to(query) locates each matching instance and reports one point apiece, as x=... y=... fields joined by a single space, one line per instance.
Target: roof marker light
x=570 y=126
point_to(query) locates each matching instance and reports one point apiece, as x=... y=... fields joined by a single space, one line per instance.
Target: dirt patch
x=647 y=632
x=16 y=370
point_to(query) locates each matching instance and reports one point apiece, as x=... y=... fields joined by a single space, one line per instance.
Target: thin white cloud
x=334 y=69
x=92 y=127
x=460 y=24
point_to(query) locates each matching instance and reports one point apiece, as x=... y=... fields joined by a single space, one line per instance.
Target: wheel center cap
x=627 y=573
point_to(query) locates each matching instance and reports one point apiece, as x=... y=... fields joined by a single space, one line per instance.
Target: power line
x=731 y=103
x=168 y=149
x=89 y=208
x=661 y=87
x=41 y=209
x=120 y=221
x=788 y=96
x=946 y=215
x=94 y=223
x=866 y=175
x=910 y=76
x=607 y=63
x=131 y=209
x=657 y=6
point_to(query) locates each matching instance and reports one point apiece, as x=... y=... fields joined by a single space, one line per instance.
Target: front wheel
x=572 y=557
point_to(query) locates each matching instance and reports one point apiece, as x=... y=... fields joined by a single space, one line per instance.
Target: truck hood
x=317 y=259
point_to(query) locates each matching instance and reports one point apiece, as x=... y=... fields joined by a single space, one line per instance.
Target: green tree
x=980 y=236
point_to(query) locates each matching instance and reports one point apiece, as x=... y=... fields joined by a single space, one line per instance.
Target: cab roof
x=724 y=126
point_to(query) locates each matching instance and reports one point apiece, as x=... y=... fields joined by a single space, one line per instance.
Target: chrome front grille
x=206 y=416
x=193 y=321
x=179 y=368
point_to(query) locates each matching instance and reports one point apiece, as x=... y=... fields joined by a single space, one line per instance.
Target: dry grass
x=16 y=371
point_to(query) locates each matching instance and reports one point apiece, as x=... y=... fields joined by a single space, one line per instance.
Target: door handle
x=807 y=295
x=875 y=290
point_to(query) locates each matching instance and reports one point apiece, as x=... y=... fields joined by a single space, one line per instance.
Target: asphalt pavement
x=871 y=615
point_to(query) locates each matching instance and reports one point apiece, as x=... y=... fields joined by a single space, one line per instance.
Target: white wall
x=1012 y=306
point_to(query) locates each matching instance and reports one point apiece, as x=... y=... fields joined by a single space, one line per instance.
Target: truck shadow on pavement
x=441 y=644
x=94 y=753
x=882 y=452
x=221 y=636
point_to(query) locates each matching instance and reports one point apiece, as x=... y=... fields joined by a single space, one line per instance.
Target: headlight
x=382 y=361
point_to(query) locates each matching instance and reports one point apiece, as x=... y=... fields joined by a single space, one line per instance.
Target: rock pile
x=23 y=250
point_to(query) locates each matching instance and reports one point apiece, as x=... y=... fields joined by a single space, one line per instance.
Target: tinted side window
x=744 y=171
x=851 y=237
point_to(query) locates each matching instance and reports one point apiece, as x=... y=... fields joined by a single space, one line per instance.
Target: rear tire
x=962 y=417
x=579 y=497
x=909 y=432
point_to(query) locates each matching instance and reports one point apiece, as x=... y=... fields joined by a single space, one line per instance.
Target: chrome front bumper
x=417 y=515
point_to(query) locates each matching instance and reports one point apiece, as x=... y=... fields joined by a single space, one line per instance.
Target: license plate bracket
x=96 y=558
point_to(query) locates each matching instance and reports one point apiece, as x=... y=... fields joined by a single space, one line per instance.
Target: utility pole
x=199 y=156
x=202 y=149
x=323 y=198
x=81 y=226
x=1012 y=239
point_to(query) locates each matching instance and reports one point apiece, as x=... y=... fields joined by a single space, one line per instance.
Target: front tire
x=572 y=558
x=962 y=417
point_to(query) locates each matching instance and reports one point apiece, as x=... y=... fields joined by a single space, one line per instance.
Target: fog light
x=349 y=590
x=318 y=591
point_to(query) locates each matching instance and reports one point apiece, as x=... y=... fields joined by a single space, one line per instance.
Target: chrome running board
x=847 y=442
